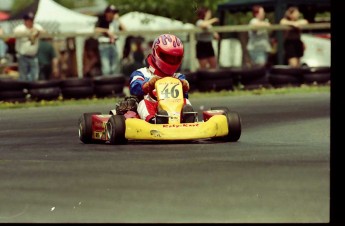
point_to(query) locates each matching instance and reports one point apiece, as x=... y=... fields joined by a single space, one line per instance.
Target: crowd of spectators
x=38 y=59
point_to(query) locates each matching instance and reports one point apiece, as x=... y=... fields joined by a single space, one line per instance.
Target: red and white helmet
x=167 y=54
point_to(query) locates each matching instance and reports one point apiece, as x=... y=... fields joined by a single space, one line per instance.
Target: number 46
x=173 y=91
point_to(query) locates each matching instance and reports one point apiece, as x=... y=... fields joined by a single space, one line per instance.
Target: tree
x=182 y=10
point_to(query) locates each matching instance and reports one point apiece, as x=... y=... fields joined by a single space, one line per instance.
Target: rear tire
x=85 y=127
x=116 y=128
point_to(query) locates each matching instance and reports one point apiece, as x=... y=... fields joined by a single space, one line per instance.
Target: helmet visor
x=170 y=59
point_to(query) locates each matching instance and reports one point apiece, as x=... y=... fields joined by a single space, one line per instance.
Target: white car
x=317 y=50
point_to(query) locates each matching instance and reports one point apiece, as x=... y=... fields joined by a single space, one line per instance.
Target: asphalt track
x=278 y=172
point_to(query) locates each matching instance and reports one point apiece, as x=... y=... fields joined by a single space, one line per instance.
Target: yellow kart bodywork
x=138 y=129
x=118 y=129
x=170 y=98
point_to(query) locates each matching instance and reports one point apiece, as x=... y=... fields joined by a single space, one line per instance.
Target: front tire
x=85 y=127
x=116 y=128
x=234 y=126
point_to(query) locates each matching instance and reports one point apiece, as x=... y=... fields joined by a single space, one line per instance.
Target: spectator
x=107 y=24
x=64 y=63
x=258 y=43
x=133 y=55
x=91 y=58
x=3 y=49
x=47 y=60
x=27 y=47
x=293 y=45
x=204 y=48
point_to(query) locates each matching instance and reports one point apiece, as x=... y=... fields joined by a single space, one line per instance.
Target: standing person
x=163 y=61
x=293 y=45
x=258 y=43
x=3 y=48
x=47 y=60
x=106 y=25
x=204 y=48
x=27 y=47
x=64 y=60
x=91 y=59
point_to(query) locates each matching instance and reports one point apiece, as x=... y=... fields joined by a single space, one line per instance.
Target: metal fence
x=189 y=32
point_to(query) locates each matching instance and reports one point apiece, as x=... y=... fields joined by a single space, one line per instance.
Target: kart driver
x=165 y=59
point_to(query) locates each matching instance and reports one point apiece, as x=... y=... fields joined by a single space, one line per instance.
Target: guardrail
x=191 y=32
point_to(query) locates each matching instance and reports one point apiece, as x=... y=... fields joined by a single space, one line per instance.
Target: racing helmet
x=167 y=54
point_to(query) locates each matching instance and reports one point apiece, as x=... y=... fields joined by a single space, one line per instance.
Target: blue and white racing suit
x=148 y=106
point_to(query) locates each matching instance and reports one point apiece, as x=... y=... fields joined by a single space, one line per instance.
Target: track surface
x=279 y=170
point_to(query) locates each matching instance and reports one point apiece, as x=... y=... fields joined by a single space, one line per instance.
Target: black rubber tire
x=108 y=80
x=116 y=128
x=319 y=78
x=76 y=82
x=38 y=94
x=192 y=78
x=215 y=84
x=243 y=74
x=5 y=95
x=44 y=84
x=85 y=127
x=234 y=126
x=257 y=83
x=12 y=85
x=287 y=70
x=279 y=80
x=317 y=70
x=213 y=74
x=79 y=92
x=13 y=96
x=108 y=89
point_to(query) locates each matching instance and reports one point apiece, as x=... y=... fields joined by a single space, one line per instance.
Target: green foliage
x=178 y=9
x=20 y=4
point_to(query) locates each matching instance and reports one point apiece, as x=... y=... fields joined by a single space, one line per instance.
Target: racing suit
x=147 y=107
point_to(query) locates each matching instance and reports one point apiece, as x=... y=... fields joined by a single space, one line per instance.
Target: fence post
x=192 y=46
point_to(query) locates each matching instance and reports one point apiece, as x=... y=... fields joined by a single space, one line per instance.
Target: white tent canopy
x=56 y=18
x=50 y=12
x=144 y=21
x=138 y=21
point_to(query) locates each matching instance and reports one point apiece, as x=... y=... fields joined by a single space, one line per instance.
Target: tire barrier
x=192 y=78
x=284 y=75
x=110 y=86
x=77 y=88
x=257 y=83
x=251 y=78
x=44 y=90
x=12 y=90
x=202 y=80
x=282 y=80
x=214 y=80
x=318 y=75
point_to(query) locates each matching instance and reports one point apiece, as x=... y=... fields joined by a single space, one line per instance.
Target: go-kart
x=218 y=122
